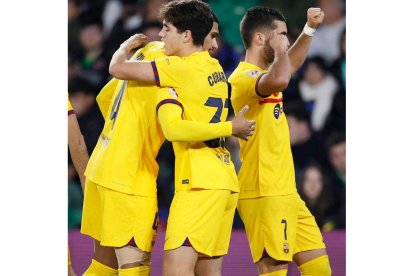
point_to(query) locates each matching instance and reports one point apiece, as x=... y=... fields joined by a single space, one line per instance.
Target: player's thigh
x=209 y=266
x=180 y=261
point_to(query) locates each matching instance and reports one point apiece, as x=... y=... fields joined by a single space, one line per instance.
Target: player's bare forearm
x=77 y=148
x=278 y=76
x=123 y=69
x=118 y=61
x=80 y=158
x=298 y=52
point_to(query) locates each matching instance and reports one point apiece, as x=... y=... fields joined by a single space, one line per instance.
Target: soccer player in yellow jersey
x=79 y=155
x=126 y=155
x=278 y=224
x=202 y=211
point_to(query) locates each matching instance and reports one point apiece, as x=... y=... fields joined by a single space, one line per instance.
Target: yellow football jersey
x=267 y=164
x=124 y=156
x=201 y=89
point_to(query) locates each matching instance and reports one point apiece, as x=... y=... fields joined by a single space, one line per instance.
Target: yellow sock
x=316 y=267
x=98 y=269
x=281 y=272
x=143 y=270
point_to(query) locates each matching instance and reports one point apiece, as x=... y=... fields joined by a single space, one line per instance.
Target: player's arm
x=77 y=148
x=176 y=129
x=299 y=50
x=123 y=69
x=278 y=76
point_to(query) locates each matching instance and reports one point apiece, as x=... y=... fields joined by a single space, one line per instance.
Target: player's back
x=267 y=164
x=203 y=93
x=124 y=157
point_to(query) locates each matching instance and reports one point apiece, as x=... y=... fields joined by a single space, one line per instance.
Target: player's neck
x=189 y=50
x=254 y=57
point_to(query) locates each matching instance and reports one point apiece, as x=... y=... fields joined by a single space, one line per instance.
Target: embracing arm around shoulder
x=123 y=69
x=177 y=129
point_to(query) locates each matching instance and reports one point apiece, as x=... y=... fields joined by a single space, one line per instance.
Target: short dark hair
x=258 y=17
x=215 y=18
x=192 y=15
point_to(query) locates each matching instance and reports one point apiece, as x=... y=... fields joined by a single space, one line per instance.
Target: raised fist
x=278 y=42
x=315 y=17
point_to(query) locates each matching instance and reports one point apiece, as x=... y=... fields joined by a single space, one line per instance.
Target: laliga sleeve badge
x=172 y=92
x=253 y=73
x=286 y=247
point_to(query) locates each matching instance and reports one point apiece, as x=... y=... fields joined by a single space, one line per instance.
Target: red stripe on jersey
x=166 y=101
x=271 y=101
x=157 y=77
x=70 y=112
x=256 y=87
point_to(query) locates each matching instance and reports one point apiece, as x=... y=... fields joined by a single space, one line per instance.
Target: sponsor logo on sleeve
x=253 y=73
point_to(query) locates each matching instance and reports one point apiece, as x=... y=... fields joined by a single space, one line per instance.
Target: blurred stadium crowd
x=314 y=101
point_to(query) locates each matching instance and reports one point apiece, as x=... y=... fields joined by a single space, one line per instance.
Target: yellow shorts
x=205 y=217
x=69 y=261
x=113 y=218
x=281 y=225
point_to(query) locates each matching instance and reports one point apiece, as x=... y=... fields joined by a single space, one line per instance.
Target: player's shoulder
x=70 y=107
x=152 y=50
x=245 y=72
x=155 y=46
x=209 y=63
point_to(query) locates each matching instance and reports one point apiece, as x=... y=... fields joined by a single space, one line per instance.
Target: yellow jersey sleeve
x=70 y=109
x=248 y=79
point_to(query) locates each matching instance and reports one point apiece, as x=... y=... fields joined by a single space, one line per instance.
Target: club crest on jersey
x=172 y=92
x=253 y=73
x=286 y=247
x=277 y=111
